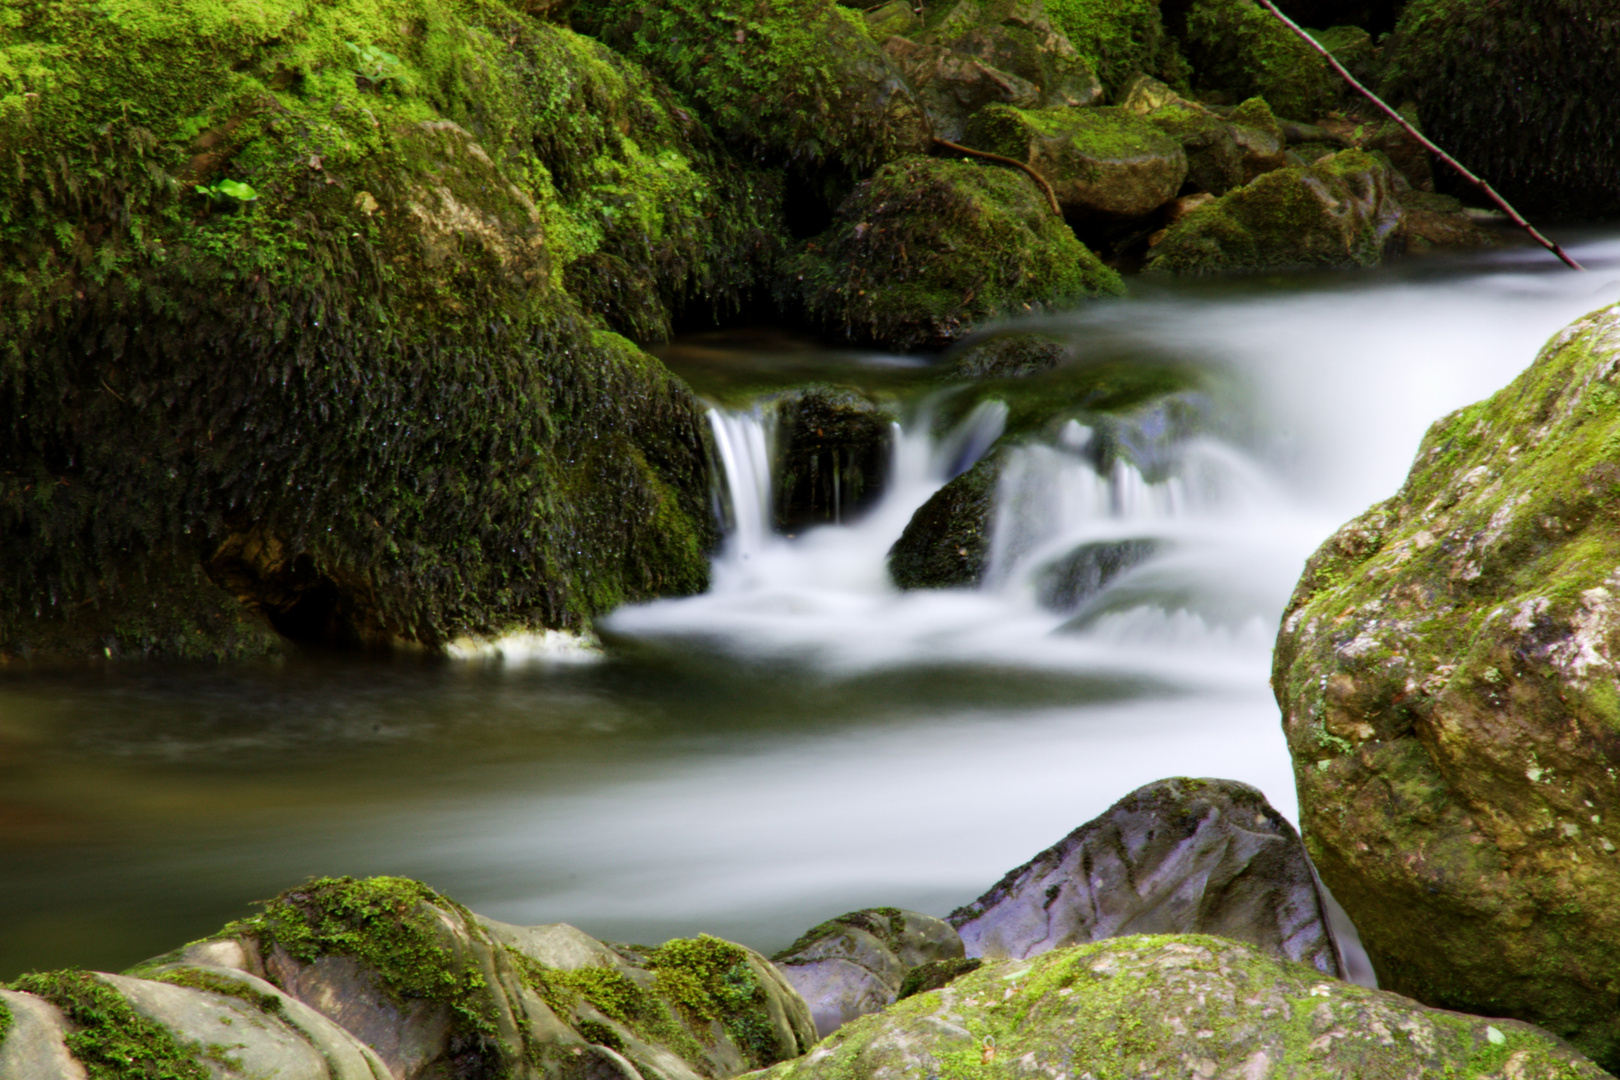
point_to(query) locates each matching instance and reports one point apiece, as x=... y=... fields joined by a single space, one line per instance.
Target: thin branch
x=1051 y=196
x=1489 y=191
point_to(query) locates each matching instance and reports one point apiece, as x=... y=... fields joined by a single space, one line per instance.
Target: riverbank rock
x=928 y=248
x=1446 y=673
x=291 y=345
x=1224 y=153
x=946 y=544
x=1341 y=211
x=1238 y=48
x=354 y=980
x=1120 y=39
x=1521 y=93
x=832 y=457
x=1102 y=163
x=1187 y=1006
x=858 y=963
x=1177 y=856
x=800 y=82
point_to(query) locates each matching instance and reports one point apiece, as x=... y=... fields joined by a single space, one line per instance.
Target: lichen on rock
x=1446 y=671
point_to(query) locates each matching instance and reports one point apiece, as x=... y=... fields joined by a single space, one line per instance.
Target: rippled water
x=802 y=740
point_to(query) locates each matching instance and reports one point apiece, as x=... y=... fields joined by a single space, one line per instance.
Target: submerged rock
x=1184 y=1006
x=857 y=963
x=1067 y=582
x=291 y=337
x=1341 y=211
x=1522 y=93
x=928 y=248
x=1177 y=856
x=1102 y=163
x=1007 y=356
x=946 y=544
x=832 y=456
x=1446 y=673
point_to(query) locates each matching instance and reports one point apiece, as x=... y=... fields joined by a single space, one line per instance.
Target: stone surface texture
x=1447 y=672
x=1177 y=856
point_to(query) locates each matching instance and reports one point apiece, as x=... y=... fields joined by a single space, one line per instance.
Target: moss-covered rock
x=1009 y=355
x=1447 y=679
x=947 y=542
x=1521 y=93
x=1102 y=163
x=1174 y=1006
x=1238 y=48
x=928 y=248
x=832 y=456
x=1338 y=212
x=798 y=81
x=897 y=17
x=1120 y=39
x=1223 y=153
x=1432 y=222
x=285 y=297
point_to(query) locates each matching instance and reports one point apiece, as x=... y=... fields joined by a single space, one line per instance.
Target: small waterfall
x=746 y=442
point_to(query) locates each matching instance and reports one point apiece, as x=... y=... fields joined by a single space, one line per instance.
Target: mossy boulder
x=832 y=456
x=1103 y=163
x=857 y=963
x=788 y=81
x=897 y=17
x=286 y=310
x=1521 y=93
x=1223 y=153
x=1187 y=1005
x=1446 y=672
x=1238 y=48
x=1341 y=211
x=1120 y=39
x=928 y=248
x=946 y=544
x=1007 y=355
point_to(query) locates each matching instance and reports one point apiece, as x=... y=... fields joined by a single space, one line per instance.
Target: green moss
x=216 y=983
x=928 y=248
x=1120 y=40
x=111 y=1039
x=616 y=996
x=390 y=927
x=1238 y=48
x=1100 y=133
x=6 y=1022
x=1546 y=143
x=797 y=81
x=935 y=974
x=710 y=979
x=365 y=403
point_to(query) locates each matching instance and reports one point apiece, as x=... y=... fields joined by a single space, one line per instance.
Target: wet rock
x=800 y=82
x=32 y=1045
x=1177 y=856
x=946 y=544
x=1238 y=48
x=1430 y=221
x=856 y=964
x=1223 y=152
x=927 y=249
x=1102 y=163
x=1144 y=94
x=1353 y=47
x=1409 y=156
x=1338 y=212
x=1522 y=93
x=1177 y=1006
x=1067 y=582
x=1007 y=356
x=1446 y=672
x=832 y=457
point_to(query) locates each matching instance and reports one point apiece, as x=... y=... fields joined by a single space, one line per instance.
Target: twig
x=1051 y=196
x=1489 y=191
x=111 y=391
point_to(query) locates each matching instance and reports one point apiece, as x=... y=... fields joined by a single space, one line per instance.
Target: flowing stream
x=803 y=739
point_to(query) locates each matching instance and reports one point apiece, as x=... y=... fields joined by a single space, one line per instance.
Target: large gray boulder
x=1177 y=856
x=1190 y=1007
x=31 y=1044
x=856 y=964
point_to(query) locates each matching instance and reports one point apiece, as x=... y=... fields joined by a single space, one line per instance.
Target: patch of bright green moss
x=1120 y=39
x=215 y=983
x=5 y=1022
x=1240 y=48
x=109 y=1038
x=711 y=979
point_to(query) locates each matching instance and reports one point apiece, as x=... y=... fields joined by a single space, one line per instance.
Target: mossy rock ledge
x=358 y=979
x=1447 y=674
x=309 y=307
x=1182 y=1006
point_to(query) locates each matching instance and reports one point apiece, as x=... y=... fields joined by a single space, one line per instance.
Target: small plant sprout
x=373 y=66
x=233 y=190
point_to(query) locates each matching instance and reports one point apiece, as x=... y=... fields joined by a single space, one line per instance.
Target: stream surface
x=802 y=740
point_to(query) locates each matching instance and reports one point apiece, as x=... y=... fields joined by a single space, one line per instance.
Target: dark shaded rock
x=1240 y=49
x=1175 y=1006
x=1341 y=211
x=953 y=86
x=1066 y=583
x=935 y=974
x=928 y=248
x=1353 y=47
x=1408 y=156
x=1377 y=17
x=947 y=542
x=1120 y=39
x=1522 y=93
x=832 y=456
x=1007 y=356
x=1178 y=856
x=1430 y=221
x=1102 y=163
x=1446 y=673
x=857 y=963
